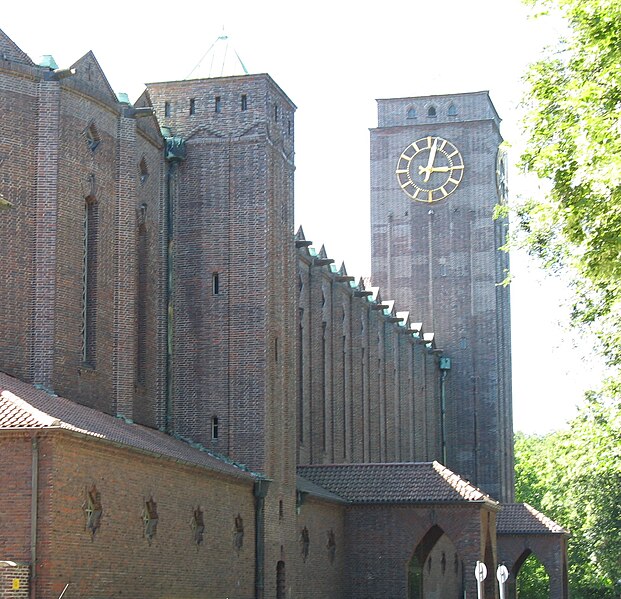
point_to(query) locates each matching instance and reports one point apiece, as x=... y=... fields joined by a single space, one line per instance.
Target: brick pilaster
x=124 y=328
x=45 y=209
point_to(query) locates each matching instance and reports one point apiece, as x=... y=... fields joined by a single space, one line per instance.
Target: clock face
x=502 y=168
x=430 y=169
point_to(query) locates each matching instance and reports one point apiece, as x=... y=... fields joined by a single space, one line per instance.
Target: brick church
x=196 y=402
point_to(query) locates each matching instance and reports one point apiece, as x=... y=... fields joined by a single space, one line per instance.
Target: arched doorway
x=435 y=569
x=529 y=579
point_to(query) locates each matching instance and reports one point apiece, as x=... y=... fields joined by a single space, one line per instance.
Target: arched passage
x=435 y=569
x=529 y=578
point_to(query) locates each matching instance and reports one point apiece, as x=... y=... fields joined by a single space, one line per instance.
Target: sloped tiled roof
x=23 y=406
x=521 y=518
x=306 y=486
x=420 y=482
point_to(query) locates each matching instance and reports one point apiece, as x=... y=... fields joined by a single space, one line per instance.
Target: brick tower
x=232 y=268
x=436 y=175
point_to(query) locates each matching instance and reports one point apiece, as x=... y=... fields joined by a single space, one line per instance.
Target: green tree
x=573 y=130
x=574 y=476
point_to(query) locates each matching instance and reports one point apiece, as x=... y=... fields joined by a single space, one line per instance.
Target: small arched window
x=411 y=113
x=452 y=110
x=431 y=112
x=144 y=170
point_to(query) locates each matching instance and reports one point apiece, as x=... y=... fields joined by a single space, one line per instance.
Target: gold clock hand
x=432 y=157
x=445 y=169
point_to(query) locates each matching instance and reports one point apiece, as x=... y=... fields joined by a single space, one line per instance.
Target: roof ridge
x=363 y=464
x=547 y=522
x=42 y=417
x=462 y=486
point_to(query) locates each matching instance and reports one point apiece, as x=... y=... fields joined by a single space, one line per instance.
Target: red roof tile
x=420 y=482
x=23 y=406
x=521 y=518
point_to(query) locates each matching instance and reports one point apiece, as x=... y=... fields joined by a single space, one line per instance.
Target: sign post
x=502 y=574
x=480 y=573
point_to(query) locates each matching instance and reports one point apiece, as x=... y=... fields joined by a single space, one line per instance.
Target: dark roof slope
x=23 y=406
x=521 y=518
x=420 y=482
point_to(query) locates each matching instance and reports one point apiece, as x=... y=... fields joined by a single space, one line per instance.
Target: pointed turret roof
x=220 y=60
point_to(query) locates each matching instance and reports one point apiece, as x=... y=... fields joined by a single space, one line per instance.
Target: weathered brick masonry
x=177 y=367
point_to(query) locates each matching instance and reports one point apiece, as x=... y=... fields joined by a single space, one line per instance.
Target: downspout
x=261 y=488
x=34 y=508
x=445 y=366
x=169 y=298
x=175 y=152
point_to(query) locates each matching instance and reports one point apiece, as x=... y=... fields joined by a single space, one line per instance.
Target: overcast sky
x=333 y=59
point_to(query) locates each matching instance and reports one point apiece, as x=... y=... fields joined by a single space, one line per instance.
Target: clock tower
x=436 y=174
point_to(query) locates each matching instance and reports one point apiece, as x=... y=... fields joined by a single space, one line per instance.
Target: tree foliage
x=573 y=129
x=574 y=477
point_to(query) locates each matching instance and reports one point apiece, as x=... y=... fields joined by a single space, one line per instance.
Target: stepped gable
x=24 y=406
x=9 y=51
x=413 y=482
x=521 y=518
x=363 y=287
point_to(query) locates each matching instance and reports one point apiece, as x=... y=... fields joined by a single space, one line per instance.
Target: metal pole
x=480 y=572
x=502 y=574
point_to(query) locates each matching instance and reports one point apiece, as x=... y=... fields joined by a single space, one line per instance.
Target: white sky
x=333 y=59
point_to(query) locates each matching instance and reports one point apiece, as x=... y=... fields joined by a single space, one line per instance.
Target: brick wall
x=18 y=139
x=48 y=176
x=119 y=558
x=377 y=563
x=369 y=390
x=15 y=506
x=14 y=581
x=322 y=559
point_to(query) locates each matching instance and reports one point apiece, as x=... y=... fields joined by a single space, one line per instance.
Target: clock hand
x=432 y=156
x=445 y=169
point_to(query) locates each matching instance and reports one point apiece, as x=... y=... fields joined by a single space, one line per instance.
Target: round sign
x=480 y=571
x=502 y=573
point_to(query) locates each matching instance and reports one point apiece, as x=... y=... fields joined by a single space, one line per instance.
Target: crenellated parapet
x=368 y=374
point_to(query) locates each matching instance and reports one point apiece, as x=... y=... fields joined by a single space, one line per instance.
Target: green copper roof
x=123 y=98
x=47 y=61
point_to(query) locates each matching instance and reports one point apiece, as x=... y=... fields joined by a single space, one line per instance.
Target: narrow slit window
x=215 y=283
x=89 y=281
x=215 y=427
x=218 y=104
x=275 y=112
x=244 y=102
x=192 y=106
x=166 y=108
x=141 y=306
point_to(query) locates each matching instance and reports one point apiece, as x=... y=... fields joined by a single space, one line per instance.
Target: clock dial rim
x=502 y=167
x=413 y=184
